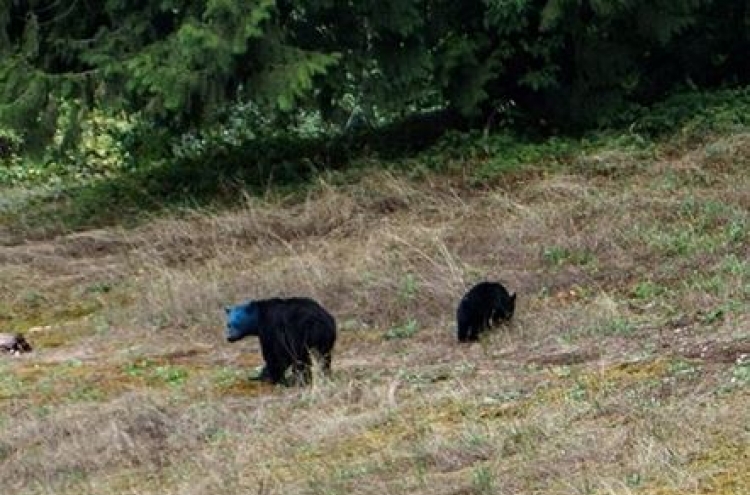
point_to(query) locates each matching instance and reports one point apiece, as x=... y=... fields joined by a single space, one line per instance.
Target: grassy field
x=626 y=370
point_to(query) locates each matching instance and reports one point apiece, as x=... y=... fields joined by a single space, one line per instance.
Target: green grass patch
x=404 y=331
x=740 y=372
x=648 y=290
x=683 y=239
x=156 y=373
x=609 y=327
x=556 y=256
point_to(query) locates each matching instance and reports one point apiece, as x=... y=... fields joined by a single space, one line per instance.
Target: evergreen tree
x=180 y=62
x=174 y=60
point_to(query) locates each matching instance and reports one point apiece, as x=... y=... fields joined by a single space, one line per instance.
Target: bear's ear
x=513 y=297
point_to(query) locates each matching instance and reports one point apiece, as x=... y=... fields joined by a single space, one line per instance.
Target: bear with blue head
x=289 y=330
x=485 y=305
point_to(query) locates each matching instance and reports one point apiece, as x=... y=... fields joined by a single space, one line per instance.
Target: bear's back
x=294 y=313
x=483 y=296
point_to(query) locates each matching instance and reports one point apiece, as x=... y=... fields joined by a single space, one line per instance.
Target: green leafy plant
x=483 y=480
x=408 y=329
x=409 y=288
x=171 y=375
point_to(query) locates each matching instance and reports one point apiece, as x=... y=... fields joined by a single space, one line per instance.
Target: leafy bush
x=90 y=146
x=11 y=171
x=691 y=113
x=10 y=143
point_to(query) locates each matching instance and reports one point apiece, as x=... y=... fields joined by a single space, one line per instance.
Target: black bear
x=288 y=330
x=483 y=306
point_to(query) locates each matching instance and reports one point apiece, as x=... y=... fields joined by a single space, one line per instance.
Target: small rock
x=14 y=343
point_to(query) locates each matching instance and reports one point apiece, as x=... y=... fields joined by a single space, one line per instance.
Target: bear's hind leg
x=302 y=373
x=277 y=371
x=326 y=363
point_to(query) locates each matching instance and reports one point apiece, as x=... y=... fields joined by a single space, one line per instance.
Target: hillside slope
x=625 y=371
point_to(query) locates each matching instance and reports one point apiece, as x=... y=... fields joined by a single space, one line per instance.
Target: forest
x=95 y=88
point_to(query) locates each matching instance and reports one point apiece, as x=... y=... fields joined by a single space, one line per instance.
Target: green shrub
x=691 y=114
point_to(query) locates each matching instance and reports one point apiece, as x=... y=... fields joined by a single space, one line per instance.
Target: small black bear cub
x=288 y=330
x=483 y=306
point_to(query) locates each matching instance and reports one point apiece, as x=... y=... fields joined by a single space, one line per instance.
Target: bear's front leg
x=273 y=355
x=262 y=374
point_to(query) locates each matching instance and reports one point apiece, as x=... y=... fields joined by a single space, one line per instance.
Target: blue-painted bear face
x=242 y=320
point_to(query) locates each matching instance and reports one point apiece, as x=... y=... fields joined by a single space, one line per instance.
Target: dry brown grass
x=626 y=370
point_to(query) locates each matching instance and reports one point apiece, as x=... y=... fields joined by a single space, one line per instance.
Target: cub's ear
x=513 y=297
